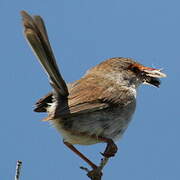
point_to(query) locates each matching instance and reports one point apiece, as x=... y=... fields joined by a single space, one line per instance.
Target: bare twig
x=18 y=169
x=96 y=174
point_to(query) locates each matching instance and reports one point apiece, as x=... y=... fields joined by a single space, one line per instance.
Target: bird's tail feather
x=36 y=34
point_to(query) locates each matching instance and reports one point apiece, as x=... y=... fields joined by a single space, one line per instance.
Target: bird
x=96 y=108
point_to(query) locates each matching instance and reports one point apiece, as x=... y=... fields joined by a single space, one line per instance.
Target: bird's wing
x=92 y=94
x=42 y=104
x=36 y=34
x=87 y=95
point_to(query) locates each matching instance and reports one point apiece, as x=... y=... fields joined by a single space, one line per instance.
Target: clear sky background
x=83 y=33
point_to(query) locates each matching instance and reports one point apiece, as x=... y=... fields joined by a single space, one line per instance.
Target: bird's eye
x=134 y=69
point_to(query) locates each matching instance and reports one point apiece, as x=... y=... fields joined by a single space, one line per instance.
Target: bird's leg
x=111 y=147
x=96 y=172
x=70 y=146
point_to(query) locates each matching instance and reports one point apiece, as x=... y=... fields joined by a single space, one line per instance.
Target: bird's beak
x=156 y=73
x=152 y=76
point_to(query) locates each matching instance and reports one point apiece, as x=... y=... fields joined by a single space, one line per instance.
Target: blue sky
x=83 y=33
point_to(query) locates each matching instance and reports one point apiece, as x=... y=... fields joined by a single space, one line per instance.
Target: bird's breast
x=109 y=123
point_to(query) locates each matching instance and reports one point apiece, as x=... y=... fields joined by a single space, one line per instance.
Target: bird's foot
x=96 y=173
x=111 y=150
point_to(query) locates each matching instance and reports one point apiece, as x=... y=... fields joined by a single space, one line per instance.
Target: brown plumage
x=96 y=108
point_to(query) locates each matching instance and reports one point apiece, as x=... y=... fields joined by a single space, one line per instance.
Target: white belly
x=84 y=128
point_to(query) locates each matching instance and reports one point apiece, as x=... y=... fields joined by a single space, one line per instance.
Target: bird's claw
x=110 y=150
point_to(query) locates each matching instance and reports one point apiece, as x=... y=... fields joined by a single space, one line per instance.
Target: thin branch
x=96 y=174
x=18 y=169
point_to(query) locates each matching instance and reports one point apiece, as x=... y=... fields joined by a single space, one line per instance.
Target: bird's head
x=127 y=72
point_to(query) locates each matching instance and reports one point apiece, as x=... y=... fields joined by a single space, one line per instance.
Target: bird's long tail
x=36 y=34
